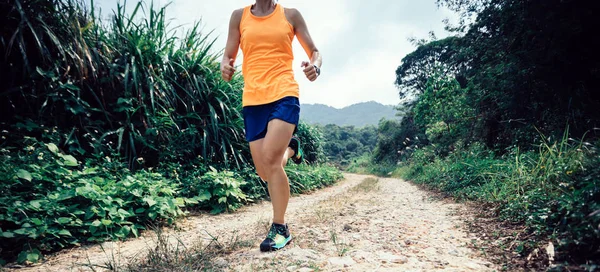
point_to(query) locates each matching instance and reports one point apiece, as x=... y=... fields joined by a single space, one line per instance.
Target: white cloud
x=362 y=42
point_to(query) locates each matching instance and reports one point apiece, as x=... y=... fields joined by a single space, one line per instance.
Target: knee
x=272 y=161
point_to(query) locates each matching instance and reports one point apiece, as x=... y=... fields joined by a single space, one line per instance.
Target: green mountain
x=358 y=115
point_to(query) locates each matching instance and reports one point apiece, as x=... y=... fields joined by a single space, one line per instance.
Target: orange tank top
x=266 y=43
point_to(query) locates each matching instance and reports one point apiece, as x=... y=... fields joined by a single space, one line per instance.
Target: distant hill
x=358 y=115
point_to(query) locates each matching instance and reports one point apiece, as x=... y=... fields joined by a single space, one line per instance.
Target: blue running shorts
x=256 y=118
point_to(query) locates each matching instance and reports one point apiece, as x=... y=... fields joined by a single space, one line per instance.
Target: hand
x=310 y=71
x=227 y=70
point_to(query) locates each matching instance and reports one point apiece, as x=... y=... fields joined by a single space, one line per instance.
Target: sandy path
x=360 y=224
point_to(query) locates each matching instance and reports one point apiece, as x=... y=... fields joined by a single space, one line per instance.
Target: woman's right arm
x=232 y=46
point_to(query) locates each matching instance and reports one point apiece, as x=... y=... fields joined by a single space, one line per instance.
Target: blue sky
x=362 y=42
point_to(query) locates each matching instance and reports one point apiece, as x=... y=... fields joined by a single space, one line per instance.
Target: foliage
x=523 y=65
x=311 y=138
x=486 y=113
x=49 y=200
x=130 y=85
x=304 y=178
x=443 y=110
x=343 y=145
x=224 y=189
x=397 y=140
x=554 y=191
x=365 y=165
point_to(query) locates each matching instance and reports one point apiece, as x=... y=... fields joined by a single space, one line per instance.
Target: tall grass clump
x=554 y=189
x=130 y=85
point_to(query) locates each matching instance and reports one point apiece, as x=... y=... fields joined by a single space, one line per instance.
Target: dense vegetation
x=345 y=145
x=110 y=126
x=357 y=115
x=506 y=112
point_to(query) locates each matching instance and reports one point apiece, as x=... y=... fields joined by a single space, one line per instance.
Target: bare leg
x=288 y=154
x=256 y=151
x=274 y=148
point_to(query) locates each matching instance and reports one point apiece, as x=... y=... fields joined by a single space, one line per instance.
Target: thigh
x=256 y=149
x=279 y=134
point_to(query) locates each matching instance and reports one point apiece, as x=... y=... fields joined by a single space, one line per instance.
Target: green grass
x=364 y=165
x=554 y=191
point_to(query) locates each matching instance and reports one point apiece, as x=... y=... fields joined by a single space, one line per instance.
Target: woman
x=265 y=31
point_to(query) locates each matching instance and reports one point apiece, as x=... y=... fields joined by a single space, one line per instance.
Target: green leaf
x=106 y=222
x=192 y=201
x=36 y=204
x=140 y=210
x=21 y=231
x=124 y=213
x=205 y=196
x=24 y=175
x=53 y=148
x=8 y=234
x=125 y=231
x=33 y=257
x=63 y=220
x=135 y=232
x=70 y=160
x=37 y=221
x=96 y=223
x=65 y=233
x=151 y=202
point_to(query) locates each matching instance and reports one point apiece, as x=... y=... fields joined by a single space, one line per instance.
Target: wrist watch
x=317 y=69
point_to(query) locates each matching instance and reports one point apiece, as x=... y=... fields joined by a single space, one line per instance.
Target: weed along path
x=360 y=224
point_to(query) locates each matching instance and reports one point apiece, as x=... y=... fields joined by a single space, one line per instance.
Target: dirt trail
x=360 y=224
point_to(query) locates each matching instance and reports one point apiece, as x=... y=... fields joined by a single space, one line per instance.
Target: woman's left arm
x=307 y=43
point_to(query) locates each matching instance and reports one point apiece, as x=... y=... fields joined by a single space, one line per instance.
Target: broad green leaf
x=222 y=199
x=33 y=257
x=151 y=202
x=53 y=148
x=63 y=220
x=8 y=234
x=106 y=222
x=22 y=257
x=70 y=160
x=204 y=196
x=21 y=231
x=65 y=233
x=140 y=210
x=96 y=223
x=36 y=204
x=135 y=231
x=191 y=201
x=124 y=213
x=125 y=230
x=24 y=175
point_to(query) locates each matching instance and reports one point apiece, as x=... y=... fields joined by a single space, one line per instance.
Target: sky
x=362 y=42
